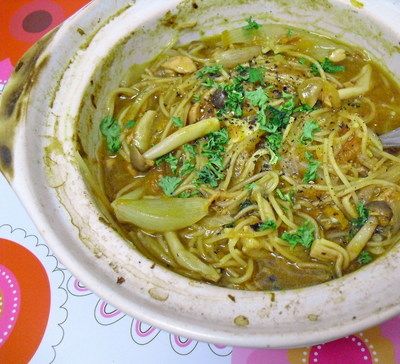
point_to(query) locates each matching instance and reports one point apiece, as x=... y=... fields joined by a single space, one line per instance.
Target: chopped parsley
x=285 y=196
x=210 y=83
x=129 y=124
x=256 y=75
x=244 y=204
x=289 y=32
x=302 y=60
x=257 y=98
x=328 y=66
x=304 y=235
x=268 y=224
x=177 y=121
x=251 y=24
x=305 y=108
x=209 y=70
x=310 y=127
x=359 y=222
x=169 y=184
x=111 y=131
x=187 y=168
x=250 y=186
x=197 y=98
x=364 y=257
x=191 y=149
x=170 y=159
x=312 y=168
x=241 y=69
x=208 y=176
x=235 y=95
x=187 y=194
x=214 y=149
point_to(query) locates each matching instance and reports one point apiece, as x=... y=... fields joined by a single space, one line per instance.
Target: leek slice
x=187 y=259
x=164 y=214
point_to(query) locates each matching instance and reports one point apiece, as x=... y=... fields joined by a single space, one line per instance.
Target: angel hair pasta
x=251 y=159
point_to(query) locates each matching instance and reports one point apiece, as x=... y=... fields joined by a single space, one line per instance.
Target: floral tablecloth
x=48 y=316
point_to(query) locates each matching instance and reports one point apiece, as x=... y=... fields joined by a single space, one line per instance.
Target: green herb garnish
x=187 y=194
x=197 y=98
x=210 y=83
x=302 y=60
x=213 y=148
x=250 y=186
x=177 y=121
x=209 y=70
x=111 y=131
x=169 y=184
x=256 y=75
x=327 y=66
x=235 y=95
x=242 y=69
x=129 y=124
x=310 y=127
x=257 y=98
x=170 y=159
x=359 y=222
x=312 y=168
x=191 y=149
x=244 y=204
x=364 y=257
x=251 y=24
x=285 y=196
x=187 y=168
x=268 y=224
x=305 y=108
x=304 y=235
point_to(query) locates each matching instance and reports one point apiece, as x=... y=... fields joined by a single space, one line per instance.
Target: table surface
x=59 y=320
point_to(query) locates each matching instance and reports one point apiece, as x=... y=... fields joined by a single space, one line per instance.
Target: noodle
x=264 y=153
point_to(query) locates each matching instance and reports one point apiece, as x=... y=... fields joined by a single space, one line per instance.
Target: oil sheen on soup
x=251 y=159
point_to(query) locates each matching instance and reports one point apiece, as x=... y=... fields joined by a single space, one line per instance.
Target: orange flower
x=24 y=22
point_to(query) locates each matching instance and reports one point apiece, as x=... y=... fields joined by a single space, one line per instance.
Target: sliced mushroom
x=381 y=210
x=137 y=160
x=218 y=98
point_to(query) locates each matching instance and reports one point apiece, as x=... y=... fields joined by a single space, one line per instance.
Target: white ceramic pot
x=55 y=99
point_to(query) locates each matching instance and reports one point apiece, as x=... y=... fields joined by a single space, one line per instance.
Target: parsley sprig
x=310 y=127
x=210 y=70
x=364 y=257
x=328 y=66
x=170 y=159
x=267 y=224
x=359 y=222
x=169 y=184
x=312 y=168
x=304 y=235
x=112 y=132
x=251 y=24
x=214 y=149
x=177 y=121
